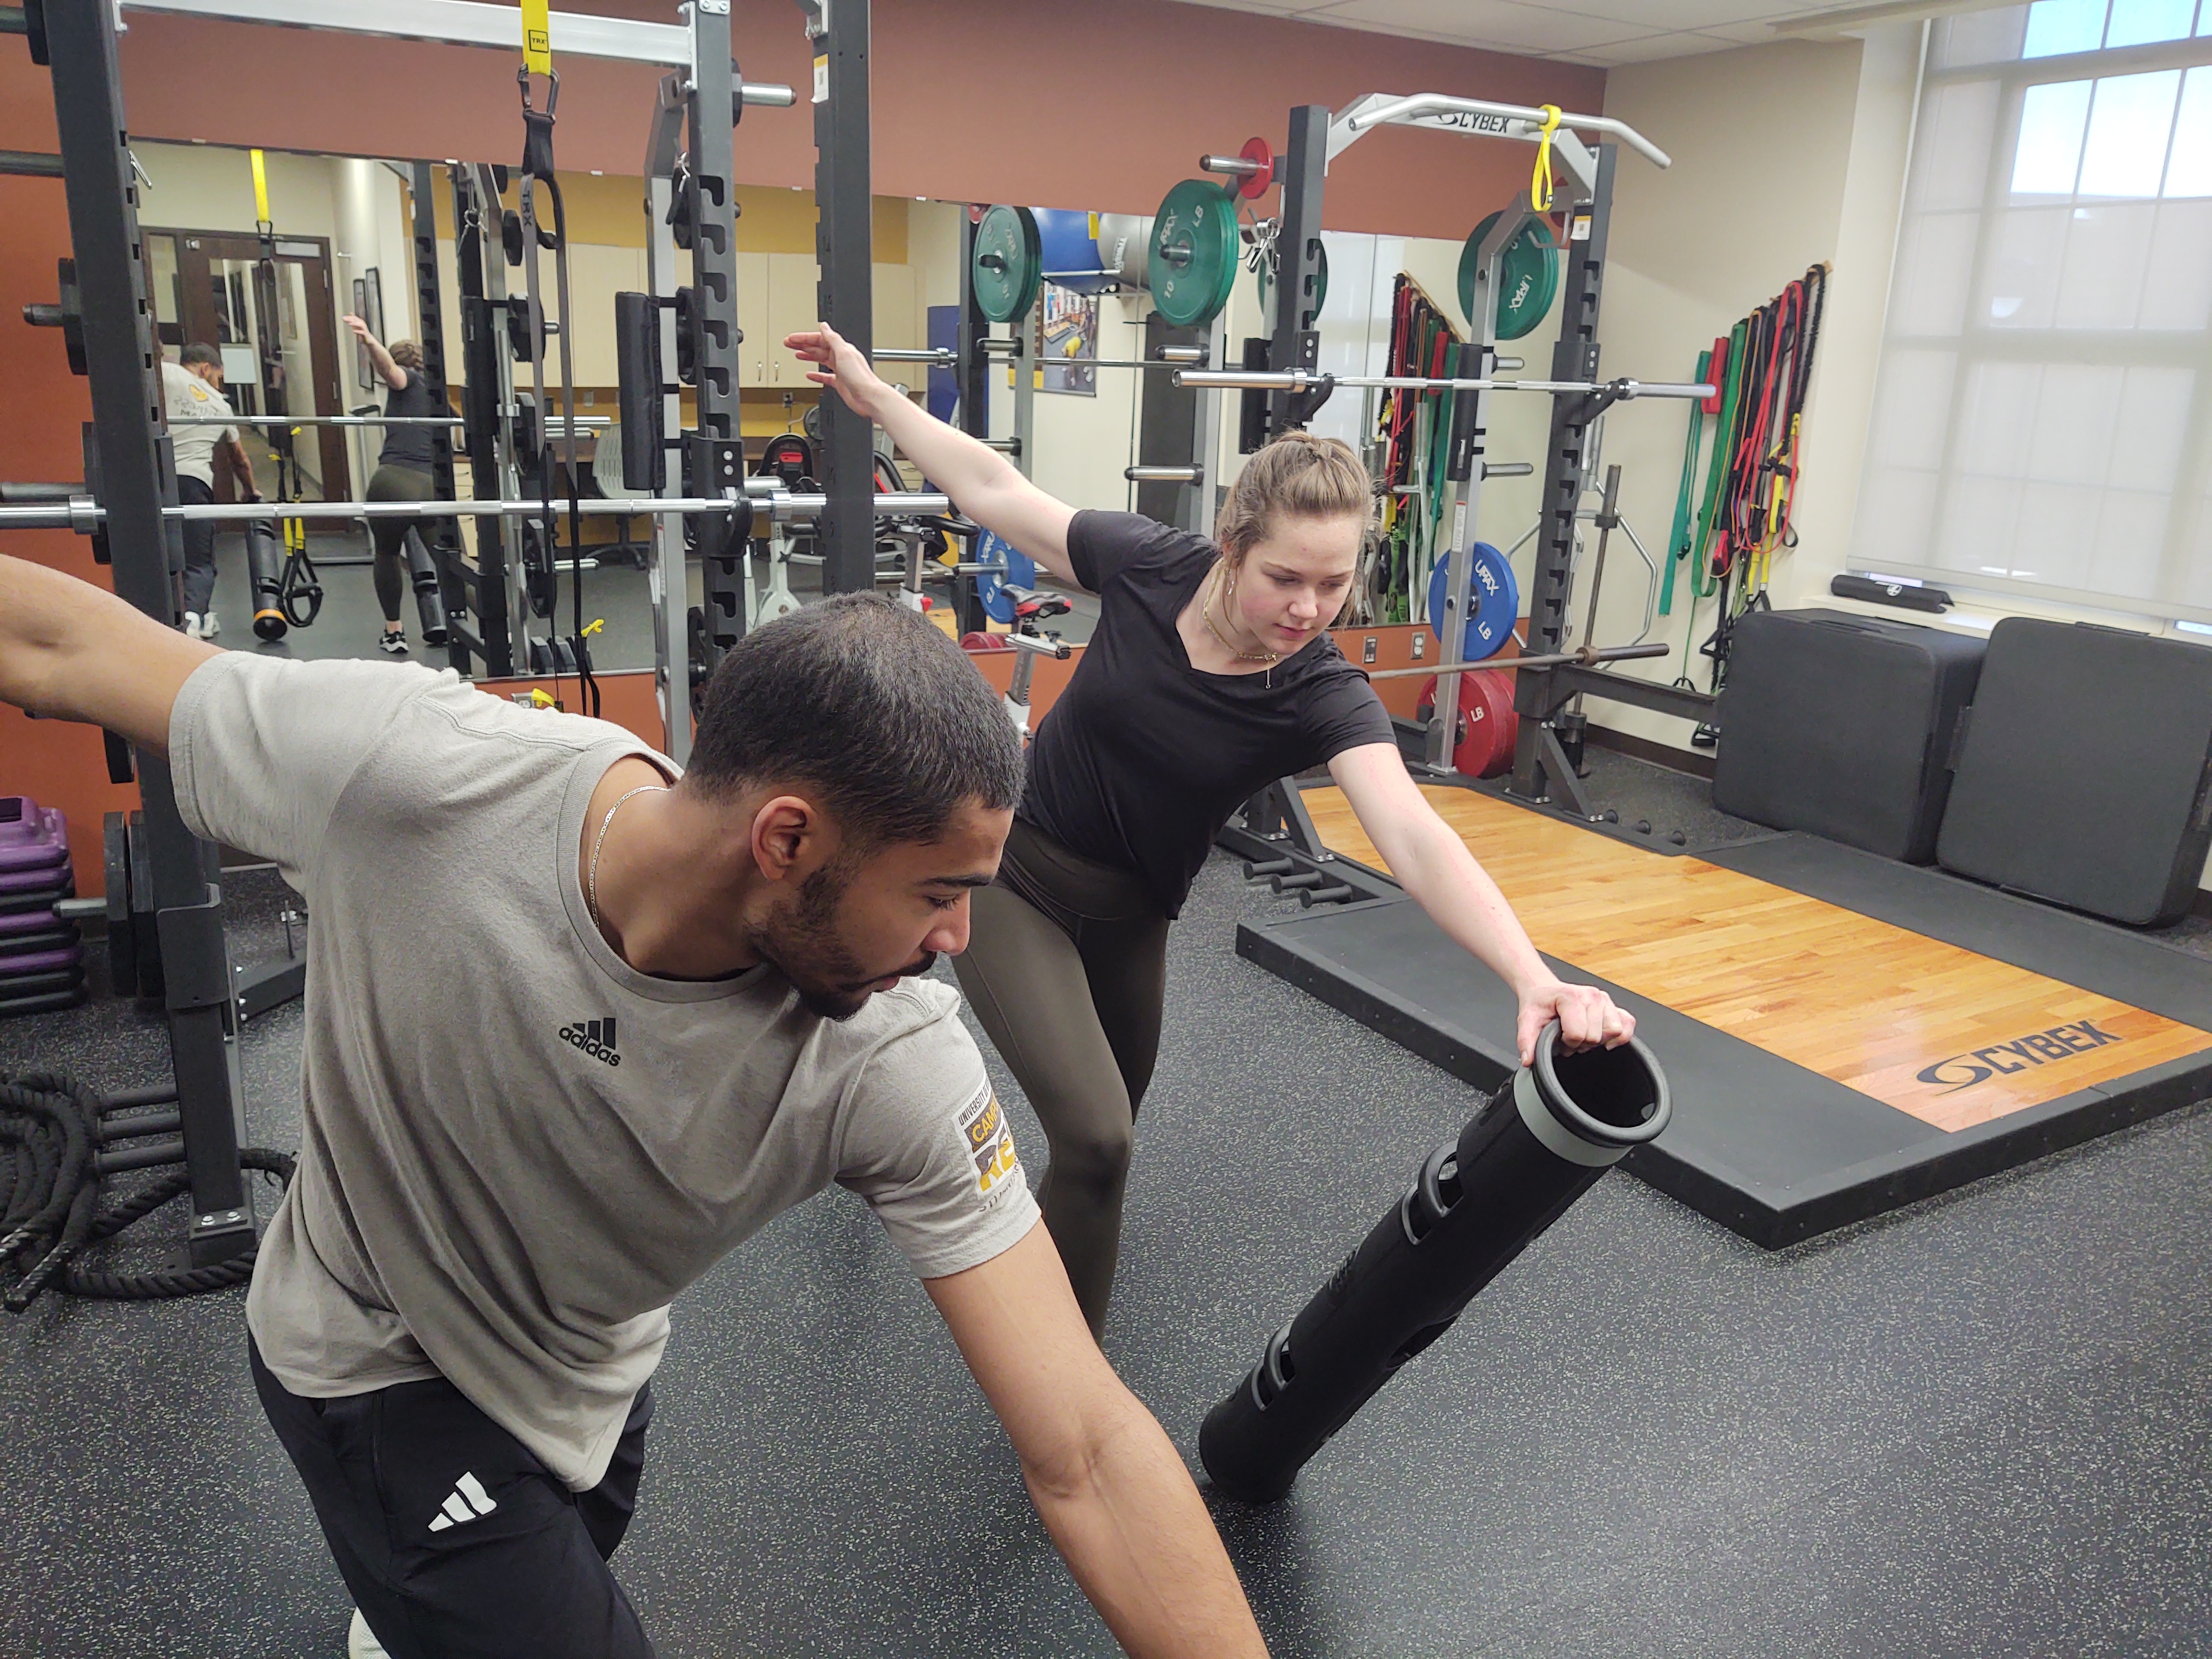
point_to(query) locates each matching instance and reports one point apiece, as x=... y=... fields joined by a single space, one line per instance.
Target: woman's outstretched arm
x=983 y=484
x=1428 y=859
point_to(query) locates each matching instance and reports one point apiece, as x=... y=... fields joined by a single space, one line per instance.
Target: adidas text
x=596 y=1037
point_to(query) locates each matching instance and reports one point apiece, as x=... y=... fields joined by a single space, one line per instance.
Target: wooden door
x=286 y=319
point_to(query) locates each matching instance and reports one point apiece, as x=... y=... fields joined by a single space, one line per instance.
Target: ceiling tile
x=1656 y=16
x=1651 y=49
x=1503 y=24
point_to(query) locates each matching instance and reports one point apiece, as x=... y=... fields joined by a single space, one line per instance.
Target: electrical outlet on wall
x=1367 y=649
x=1420 y=646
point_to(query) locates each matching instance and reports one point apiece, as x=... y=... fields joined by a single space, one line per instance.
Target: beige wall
x=1768 y=152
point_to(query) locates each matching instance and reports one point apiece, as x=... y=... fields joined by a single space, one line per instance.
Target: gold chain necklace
x=1206 y=611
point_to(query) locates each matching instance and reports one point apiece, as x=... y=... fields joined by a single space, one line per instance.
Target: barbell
x=946 y=357
x=1299 y=379
x=1587 y=656
x=82 y=514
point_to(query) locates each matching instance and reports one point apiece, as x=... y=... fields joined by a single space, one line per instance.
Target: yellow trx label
x=536 y=37
x=260 y=189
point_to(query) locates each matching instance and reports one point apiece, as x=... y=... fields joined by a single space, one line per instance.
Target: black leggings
x=395 y=483
x=1067 y=968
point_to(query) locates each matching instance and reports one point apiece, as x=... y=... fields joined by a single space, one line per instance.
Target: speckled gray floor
x=1982 y=1425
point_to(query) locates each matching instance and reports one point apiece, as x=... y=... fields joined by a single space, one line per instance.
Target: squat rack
x=131 y=483
x=1296 y=389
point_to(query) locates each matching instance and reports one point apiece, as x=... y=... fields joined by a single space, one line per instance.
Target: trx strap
x=1541 y=187
x=538 y=169
x=300 y=591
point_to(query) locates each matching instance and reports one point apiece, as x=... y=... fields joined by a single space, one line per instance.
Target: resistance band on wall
x=1764 y=368
x=1415 y=431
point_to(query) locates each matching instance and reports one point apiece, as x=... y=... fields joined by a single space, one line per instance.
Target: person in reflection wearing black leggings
x=403 y=469
x=1210 y=675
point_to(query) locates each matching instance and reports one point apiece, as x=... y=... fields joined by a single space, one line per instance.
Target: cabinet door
x=793 y=308
x=753 y=317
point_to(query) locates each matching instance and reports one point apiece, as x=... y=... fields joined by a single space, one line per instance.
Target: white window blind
x=2043 y=406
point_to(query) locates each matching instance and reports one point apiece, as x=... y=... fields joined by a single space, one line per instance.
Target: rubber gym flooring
x=1978 y=1425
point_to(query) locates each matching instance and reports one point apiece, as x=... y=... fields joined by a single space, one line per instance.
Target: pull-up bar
x=1480 y=117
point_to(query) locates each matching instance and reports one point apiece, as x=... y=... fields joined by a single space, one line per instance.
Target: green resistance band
x=1678 y=539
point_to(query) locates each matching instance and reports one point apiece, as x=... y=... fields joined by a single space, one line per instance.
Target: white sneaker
x=209 y=627
x=360 y=1641
x=191 y=624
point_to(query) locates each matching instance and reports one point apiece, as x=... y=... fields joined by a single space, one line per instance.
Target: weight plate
x=1067 y=246
x=1011 y=569
x=1194 y=254
x=1008 y=260
x=1483 y=739
x=1493 y=601
x=1526 y=284
x=1268 y=287
x=1122 y=241
x=1253 y=186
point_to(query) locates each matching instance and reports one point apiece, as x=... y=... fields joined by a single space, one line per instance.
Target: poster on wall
x=1067 y=341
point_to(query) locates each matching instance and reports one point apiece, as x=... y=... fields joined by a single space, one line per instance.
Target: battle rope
x=51 y=1131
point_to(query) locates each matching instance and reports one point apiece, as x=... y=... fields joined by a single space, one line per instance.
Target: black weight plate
x=42 y=1004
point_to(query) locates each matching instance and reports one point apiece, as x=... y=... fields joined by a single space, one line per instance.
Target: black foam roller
x=1528 y=1152
x=430 y=604
x=264 y=566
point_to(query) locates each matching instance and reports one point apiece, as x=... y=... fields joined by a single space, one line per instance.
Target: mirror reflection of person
x=404 y=469
x=191 y=387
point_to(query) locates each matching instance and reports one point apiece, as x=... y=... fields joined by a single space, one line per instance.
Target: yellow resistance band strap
x=536 y=38
x=1540 y=186
x=260 y=191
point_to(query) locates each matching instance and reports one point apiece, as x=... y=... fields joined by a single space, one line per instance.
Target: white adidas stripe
x=464 y=1503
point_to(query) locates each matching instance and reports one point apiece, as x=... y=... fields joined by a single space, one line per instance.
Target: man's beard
x=802 y=941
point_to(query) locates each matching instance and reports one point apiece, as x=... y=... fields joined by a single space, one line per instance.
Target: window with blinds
x=2043 y=410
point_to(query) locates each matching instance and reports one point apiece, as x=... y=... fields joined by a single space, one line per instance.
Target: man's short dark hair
x=868 y=703
x=199 y=351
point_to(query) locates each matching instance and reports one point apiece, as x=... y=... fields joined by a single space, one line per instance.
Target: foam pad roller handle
x=264 y=566
x=1532 y=1149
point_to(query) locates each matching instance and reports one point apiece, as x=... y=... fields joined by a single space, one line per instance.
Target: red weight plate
x=1487 y=727
x=984 y=642
x=1492 y=734
x=1254 y=185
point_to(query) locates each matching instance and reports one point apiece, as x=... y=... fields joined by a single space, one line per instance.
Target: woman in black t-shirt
x=1211 y=673
x=402 y=470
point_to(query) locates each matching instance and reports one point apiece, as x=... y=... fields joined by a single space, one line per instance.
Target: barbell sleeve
x=1242 y=166
x=769 y=94
x=1508 y=469
x=1164 y=474
x=1529 y=1152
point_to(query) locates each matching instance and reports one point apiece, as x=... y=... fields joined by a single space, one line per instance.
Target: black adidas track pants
x=456 y=1542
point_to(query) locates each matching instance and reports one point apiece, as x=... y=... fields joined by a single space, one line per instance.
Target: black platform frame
x=1772 y=1152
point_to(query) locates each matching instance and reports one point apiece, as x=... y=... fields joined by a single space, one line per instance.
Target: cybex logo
x=596 y=1037
x=2059 y=1042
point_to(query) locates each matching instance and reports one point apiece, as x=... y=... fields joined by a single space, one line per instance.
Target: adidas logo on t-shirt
x=467 y=1500
x=596 y=1037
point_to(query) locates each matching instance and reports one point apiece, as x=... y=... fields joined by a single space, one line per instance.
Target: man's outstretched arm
x=73 y=652
x=1113 y=1493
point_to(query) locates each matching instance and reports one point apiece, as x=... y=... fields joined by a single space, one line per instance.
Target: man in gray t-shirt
x=191 y=390
x=575 y=1028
